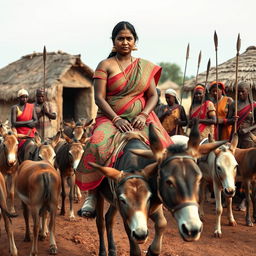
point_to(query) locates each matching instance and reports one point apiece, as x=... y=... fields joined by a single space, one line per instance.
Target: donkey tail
x=46 y=183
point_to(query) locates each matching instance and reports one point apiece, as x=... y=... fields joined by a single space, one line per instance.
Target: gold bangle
x=144 y=114
x=115 y=119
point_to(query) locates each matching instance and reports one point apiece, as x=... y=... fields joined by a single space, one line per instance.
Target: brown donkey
x=68 y=156
x=172 y=177
x=6 y=215
x=38 y=187
x=9 y=160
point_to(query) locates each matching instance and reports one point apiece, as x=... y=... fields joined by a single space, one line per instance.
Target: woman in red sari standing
x=204 y=111
x=23 y=117
x=125 y=93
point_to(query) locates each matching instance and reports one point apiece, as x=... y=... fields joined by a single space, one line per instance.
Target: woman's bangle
x=144 y=114
x=115 y=119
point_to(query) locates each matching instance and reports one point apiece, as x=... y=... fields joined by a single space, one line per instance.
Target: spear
x=217 y=99
x=238 y=46
x=206 y=81
x=198 y=65
x=44 y=61
x=184 y=76
x=183 y=83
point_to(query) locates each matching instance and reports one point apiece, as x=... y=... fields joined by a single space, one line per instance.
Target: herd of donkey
x=151 y=177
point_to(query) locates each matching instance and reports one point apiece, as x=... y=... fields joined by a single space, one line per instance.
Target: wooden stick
x=238 y=46
x=44 y=61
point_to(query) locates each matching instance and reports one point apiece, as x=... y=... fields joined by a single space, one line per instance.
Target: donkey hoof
x=41 y=237
x=232 y=223
x=53 y=249
x=72 y=218
x=27 y=239
x=217 y=234
x=112 y=252
x=150 y=253
x=249 y=223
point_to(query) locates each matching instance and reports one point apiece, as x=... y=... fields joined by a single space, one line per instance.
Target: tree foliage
x=172 y=72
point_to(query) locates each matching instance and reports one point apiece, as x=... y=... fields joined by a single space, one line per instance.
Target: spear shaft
x=217 y=99
x=44 y=61
x=184 y=75
x=238 y=46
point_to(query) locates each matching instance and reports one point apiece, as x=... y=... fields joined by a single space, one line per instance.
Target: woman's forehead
x=125 y=33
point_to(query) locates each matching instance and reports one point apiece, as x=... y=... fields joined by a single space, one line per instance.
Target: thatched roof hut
x=68 y=84
x=226 y=71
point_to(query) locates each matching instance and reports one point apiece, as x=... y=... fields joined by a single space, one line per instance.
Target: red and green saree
x=125 y=94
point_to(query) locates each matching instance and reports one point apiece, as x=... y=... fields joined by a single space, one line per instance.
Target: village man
x=44 y=115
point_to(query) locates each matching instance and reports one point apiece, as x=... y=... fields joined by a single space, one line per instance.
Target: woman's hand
x=123 y=125
x=139 y=122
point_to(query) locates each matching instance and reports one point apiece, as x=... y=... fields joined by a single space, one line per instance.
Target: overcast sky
x=165 y=27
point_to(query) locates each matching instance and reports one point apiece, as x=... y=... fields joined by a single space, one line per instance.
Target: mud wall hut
x=68 y=85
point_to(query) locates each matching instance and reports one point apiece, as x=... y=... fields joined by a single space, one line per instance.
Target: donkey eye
x=170 y=184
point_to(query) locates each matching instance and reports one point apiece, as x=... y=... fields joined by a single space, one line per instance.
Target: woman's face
x=170 y=99
x=124 y=42
x=23 y=99
x=242 y=93
x=199 y=94
x=214 y=92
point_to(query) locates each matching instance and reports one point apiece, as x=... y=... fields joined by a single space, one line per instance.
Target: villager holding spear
x=43 y=108
x=242 y=113
x=202 y=109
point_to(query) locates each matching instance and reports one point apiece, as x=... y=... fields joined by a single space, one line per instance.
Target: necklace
x=122 y=69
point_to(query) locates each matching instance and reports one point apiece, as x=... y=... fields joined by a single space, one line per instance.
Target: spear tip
x=215 y=40
x=44 y=53
x=238 y=43
x=187 y=54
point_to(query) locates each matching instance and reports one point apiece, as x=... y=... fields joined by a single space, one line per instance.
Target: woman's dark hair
x=121 y=26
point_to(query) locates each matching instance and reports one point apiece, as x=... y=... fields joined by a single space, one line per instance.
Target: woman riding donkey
x=125 y=94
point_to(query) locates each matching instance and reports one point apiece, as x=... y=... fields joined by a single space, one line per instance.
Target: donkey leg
x=10 y=189
x=219 y=210
x=35 y=216
x=254 y=200
x=202 y=193
x=160 y=225
x=110 y=215
x=248 y=203
x=53 y=247
x=231 y=219
x=71 y=183
x=44 y=229
x=9 y=231
x=63 y=196
x=100 y=225
x=26 y=219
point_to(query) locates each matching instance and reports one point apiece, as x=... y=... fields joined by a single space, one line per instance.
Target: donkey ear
x=210 y=138
x=37 y=139
x=194 y=137
x=68 y=139
x=155 y=143
x=150 y=169
x=56 y=139
x=208 y=147
x=234 y=141
x=143 y=152
x=109 y=172
x=252 y=136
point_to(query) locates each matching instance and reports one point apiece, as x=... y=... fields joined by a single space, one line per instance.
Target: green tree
x=172 y=72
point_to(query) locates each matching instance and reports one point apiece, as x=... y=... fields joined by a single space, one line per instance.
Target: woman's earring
x=135 y=48
x=113 y=49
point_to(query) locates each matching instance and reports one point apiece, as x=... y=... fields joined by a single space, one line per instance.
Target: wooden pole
x=238 y=46
x=44 y=61
x=217 y=100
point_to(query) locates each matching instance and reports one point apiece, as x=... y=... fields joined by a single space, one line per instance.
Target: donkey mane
x=176 y=149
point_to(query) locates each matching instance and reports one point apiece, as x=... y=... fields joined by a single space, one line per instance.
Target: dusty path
x=80 y=238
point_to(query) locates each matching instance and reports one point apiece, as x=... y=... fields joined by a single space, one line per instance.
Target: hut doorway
x=75 y=103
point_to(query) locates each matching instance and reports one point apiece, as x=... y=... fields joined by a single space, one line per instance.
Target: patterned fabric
x=224 y=130
x=125 y=94
x=202 y=112
x=26 y=115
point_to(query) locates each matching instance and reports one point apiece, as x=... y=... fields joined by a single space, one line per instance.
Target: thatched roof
x=27 y=72
x=168 y=84
x=226 y=71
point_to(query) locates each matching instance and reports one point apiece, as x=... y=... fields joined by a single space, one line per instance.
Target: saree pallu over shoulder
x=243 y=113
x=125 y=94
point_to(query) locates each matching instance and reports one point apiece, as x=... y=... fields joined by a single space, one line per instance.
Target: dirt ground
x=80 y=238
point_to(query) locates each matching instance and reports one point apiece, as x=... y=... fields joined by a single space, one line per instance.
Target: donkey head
x=132 y=194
